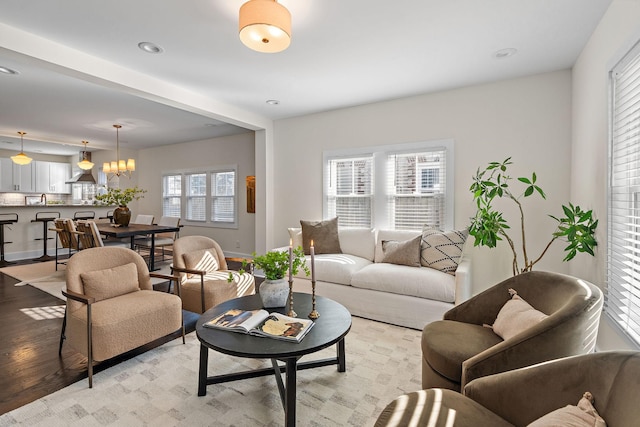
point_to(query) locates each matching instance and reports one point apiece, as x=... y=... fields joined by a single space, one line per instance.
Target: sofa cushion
x=584 y=414
x=406 y=252
x=358 y=241
x=442 y=249
x=516 y=316
x=398 y=235
x=419 y=282
x=110 y=282
x=447 y=343
x=323 y=234
x=335 y=268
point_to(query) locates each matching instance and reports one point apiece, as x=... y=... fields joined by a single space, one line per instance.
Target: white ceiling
x=343 y=53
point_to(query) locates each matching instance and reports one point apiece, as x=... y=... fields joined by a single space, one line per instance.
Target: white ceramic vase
x=274 y=293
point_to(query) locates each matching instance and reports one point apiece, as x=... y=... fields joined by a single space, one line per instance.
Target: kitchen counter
x=24 y=233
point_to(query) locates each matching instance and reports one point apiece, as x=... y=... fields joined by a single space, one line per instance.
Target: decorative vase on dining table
x=274 y=293
x=122 y=216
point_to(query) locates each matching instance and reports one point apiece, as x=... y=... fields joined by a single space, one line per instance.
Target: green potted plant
x=488 y=226
x=275 y=265
x=121 y=198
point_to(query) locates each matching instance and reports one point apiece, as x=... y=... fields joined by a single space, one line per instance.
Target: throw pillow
x=203 y=260
x=516 y=316
x=575 y=416
x=324 y=235
x=402 y=253
x=111 y=282
x=442 y=250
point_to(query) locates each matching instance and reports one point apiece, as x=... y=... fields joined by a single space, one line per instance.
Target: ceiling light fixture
x=150 y=47
x=85 y=164
x=21 y=158
x=265 y=26
x=119 y=167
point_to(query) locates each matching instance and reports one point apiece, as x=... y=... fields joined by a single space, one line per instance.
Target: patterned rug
x=159 y=387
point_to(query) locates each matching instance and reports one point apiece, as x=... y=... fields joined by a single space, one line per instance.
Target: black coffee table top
x=332 y=325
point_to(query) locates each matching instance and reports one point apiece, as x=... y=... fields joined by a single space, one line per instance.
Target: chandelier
x=85 y=164
x=119 y=167
x=21 y=158
x=265 y=26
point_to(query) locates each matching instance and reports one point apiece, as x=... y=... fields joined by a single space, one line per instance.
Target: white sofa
x=396 y=294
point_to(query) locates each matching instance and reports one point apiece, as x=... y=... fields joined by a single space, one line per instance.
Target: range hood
x=84 y=177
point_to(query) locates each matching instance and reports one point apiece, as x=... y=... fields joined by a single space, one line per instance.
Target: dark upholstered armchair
x=112 y=307
x=459 y=348
x=521 y=396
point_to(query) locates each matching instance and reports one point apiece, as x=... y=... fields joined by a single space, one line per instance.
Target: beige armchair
x=459 y=348
x=203 y=272
x=112 y=307
x=521 y=396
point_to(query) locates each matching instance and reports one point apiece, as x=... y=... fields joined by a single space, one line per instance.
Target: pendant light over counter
x=21 y=158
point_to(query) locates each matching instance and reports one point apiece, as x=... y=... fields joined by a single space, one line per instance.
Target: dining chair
x=162 y=240
x=143 y=219
x=67 y=234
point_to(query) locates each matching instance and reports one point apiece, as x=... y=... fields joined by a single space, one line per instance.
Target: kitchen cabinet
x=51 y=177
x=16 y=177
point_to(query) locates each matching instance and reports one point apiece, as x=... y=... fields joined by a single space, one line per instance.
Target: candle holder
x=291 y=313
x=314 y=314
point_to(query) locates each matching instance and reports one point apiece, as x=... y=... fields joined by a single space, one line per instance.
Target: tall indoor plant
x=576 y=227
x=121 y=198
x=275 y=265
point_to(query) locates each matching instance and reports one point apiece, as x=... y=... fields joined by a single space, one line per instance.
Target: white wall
x=238 y=149
x=618 y=30
x=527 y=119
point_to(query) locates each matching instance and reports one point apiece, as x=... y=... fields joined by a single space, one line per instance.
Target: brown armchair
x=459 y=348
x=521 y=396
x=203 y=272
x=112 y=307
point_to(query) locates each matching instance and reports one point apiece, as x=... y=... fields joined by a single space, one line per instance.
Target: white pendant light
x=265 y=26
x=21 y=158
x=85 y=164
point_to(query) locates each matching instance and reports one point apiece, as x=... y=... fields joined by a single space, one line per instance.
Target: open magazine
x=262 y=323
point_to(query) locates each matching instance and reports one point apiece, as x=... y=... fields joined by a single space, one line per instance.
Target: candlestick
x=290 y=260
x=314 y=314
x=291 y=313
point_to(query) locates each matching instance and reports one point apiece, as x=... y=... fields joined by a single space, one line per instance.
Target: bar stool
x=44 y=218
x=84 y=215
x=6 y=218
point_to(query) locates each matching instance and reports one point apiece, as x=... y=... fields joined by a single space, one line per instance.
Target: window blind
x=416 y=185
x=196 y=192
x=171 y=195
x=350 y=191
x=223 y=186
x=622 y=296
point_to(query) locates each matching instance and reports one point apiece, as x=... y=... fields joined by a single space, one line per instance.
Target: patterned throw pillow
x=442 y=250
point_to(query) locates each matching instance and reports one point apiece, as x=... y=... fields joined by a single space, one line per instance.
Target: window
x=350 y=194
x=400 y=186
x=202 y=197
x=622 y=296
x=171 y=195
x=223 y=187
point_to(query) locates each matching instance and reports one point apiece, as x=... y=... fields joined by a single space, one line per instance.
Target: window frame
x=208 y=197
x=380 y=204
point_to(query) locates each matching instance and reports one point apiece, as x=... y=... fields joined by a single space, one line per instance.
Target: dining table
x=132 y=230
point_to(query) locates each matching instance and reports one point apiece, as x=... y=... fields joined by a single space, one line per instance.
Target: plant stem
x=514 y=264
x=542 y=254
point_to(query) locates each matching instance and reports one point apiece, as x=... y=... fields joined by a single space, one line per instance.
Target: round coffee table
x=330 y=328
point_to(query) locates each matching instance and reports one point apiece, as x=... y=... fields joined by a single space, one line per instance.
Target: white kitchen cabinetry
x=16 y=177
x=51 y=177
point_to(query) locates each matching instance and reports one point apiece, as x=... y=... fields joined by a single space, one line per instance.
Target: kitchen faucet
x=43 y=198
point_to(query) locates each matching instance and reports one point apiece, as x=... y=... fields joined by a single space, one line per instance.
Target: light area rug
x=159 y=387
x=43 y=276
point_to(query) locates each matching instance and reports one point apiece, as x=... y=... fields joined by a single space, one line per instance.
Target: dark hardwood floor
x=30 y=367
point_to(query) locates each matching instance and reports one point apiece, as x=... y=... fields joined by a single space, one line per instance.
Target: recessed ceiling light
x=505 y=53
x=273 y=102
x=150 y=47
x=6 y=70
